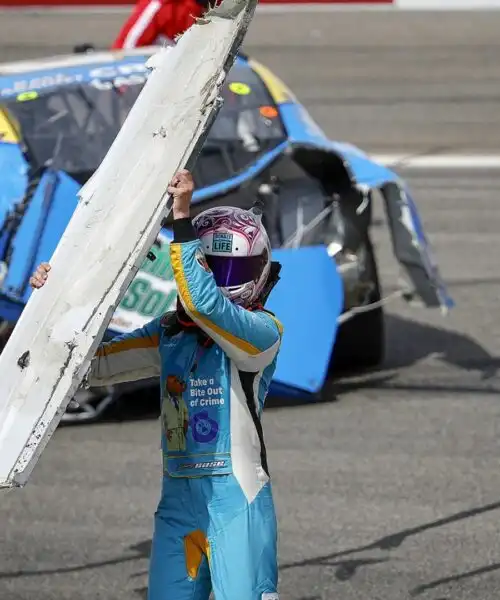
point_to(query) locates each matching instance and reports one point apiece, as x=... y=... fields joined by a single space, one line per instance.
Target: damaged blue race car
x=59 y=116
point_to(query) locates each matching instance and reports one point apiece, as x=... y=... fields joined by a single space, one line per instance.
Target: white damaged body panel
x=116 y=222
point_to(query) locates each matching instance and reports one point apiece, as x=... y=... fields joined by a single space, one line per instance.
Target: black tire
x=360 y=342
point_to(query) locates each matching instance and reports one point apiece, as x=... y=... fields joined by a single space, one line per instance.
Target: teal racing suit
x=215 y=526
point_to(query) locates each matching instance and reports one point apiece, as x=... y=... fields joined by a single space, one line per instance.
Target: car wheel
x=88 y=406
x=360 y=342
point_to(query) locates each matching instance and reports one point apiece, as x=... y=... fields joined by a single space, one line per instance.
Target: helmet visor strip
x=231 y=271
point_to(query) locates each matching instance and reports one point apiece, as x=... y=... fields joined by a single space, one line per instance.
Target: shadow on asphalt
x=345 y=563
x=409 y=342
x=420 y=589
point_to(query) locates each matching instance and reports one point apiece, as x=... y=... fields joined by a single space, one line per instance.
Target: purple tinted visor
x=236 y=270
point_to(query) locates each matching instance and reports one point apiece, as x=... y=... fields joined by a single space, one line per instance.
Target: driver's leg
x=178 y=568
x=243 y=542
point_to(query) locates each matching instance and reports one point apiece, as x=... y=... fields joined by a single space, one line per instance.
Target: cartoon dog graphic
x=174 y=413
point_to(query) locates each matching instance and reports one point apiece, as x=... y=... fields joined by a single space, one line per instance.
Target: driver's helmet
x=237 y=250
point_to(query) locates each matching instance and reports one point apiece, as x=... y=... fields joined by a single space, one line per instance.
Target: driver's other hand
x=39 y=277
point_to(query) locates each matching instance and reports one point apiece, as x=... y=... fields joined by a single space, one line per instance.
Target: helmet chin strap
x=184 y=319
x=272 y=280
x=188 y=324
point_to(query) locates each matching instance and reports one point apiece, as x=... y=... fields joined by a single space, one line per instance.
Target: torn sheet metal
x=53 y=343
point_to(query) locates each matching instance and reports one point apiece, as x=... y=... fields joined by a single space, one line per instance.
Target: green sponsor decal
x=142 y=297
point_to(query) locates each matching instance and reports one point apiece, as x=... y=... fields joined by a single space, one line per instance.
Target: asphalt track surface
x=390 y=488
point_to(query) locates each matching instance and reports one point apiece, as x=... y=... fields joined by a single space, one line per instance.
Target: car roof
x=83 y=60
x=36 y=75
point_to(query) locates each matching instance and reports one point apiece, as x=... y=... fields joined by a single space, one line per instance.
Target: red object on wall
x=33 y=3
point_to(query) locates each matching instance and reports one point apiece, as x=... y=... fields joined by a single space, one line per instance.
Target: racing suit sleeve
x=128 y=357
x=142 y=27
x=153 y=19
x=250 y=338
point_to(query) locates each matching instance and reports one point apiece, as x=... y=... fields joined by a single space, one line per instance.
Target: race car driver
x=154 y=20
x=215 y=526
